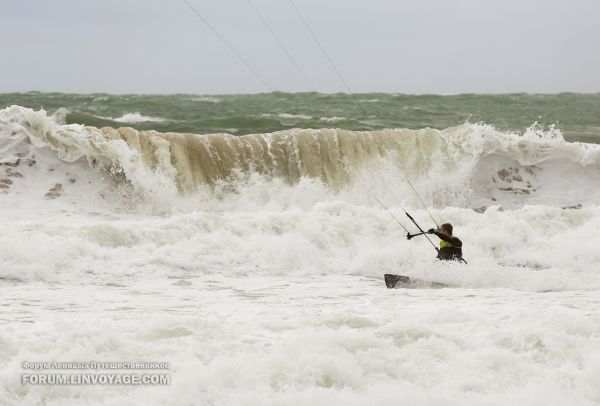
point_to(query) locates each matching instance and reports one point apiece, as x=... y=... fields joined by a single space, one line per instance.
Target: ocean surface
x=239 y=238
x=577 y=115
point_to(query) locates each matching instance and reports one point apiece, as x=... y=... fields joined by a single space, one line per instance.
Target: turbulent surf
x=263 y=250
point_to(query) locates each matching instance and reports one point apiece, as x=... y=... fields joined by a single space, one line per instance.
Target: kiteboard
x=406 y=282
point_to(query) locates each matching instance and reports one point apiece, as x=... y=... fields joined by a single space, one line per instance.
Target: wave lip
x=472 y=165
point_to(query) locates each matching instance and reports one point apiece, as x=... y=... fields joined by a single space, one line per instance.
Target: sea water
x=252 y=261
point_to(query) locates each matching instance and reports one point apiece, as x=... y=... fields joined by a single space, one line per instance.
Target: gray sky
x=419 y=46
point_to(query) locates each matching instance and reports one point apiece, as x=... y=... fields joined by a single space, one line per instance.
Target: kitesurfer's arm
x=452 y=240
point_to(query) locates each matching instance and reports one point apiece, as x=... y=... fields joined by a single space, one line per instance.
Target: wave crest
x=470 y=165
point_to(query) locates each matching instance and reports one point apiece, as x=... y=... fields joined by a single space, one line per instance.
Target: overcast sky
x=419 y=46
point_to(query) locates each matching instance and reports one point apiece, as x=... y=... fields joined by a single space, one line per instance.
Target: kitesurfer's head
x=446 y=228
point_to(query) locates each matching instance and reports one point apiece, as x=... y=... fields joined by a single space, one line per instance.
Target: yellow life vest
x=445 y=244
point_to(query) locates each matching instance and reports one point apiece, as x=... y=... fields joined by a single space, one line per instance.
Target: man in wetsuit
x=450 y=246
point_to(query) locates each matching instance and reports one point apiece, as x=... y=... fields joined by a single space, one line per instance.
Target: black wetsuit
x=452 y=250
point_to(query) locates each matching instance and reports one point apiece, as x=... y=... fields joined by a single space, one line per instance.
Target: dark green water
x=576 y=115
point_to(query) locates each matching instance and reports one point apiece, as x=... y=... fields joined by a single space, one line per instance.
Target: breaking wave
x=472 y=165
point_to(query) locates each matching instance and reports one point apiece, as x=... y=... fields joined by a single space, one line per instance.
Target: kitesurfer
x=450 y=246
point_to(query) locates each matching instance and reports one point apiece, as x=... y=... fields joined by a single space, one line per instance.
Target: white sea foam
x=287 y=118
x=60 y=115
x=206 y=99
x=260 y=290
x=136 y=117
x=300 y=116
x=333 y=119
